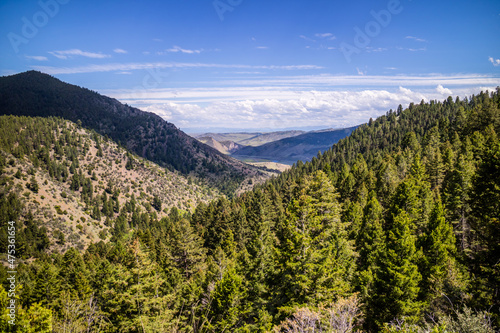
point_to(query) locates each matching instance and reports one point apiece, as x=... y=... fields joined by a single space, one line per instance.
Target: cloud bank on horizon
x=259 y=64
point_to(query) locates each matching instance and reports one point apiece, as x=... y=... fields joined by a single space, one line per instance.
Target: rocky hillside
x=226 y=147
x=78 y=184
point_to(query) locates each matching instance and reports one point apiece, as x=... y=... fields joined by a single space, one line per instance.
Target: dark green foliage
x=396 y=277
x=485 y=222
x=130 y=164
x=157 y=203
x=31 y=238
x=315 y=256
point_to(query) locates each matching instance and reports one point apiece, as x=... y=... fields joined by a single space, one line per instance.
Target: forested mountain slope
x=393 y=229
x=148 y=135
x=81 y=187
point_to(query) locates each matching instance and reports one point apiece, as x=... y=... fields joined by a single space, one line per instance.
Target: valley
x=279 y=148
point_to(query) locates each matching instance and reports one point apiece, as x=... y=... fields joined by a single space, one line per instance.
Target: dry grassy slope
x=269 y=137
x=144 y=181
x=271 y=165
x=225 y=147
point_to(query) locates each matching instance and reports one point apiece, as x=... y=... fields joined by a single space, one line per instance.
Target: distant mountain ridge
x=147 y=134
x=225 y=147
x=250 y=138
x=300 y=147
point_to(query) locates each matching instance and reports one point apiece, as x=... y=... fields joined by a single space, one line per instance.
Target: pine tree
x=186 y=250
x=157 y=203
x=33 y=185
x=258 y=261
x=441 y=276
x=396 y=277
x=96 y=213
x=370 y=238
x=484 y=201
x=75 y=182
x=224 y=284
x=74 y=273
x=316 y=257
x=46 y=285
x=456 y=193
x=413 y=196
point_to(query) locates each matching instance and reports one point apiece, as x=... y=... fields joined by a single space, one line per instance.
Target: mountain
x=250 y=138
x=148 y=135
x=225 y=147
x=263 y=138
x=235 y=137
x=291 y=149
x=63 y=161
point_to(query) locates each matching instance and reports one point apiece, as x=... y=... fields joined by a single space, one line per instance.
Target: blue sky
x=241 y=64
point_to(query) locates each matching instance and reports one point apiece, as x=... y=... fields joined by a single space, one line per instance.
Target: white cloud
x=405 y=91
x=160 y=65
x=331 y=81
x=37 y=58
x=262 y=47
x=76 y=52
x=360 y=72
x=307 y=108
x=176 y=49
x=280 y=102
x=495 y=62
x=307 y=38
x=412 y=49
x=122 y=51
x=370 y=49
x=327 y=35
x=443 y=91
x=416 y=39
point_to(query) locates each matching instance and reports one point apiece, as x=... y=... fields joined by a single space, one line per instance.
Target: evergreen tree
x=484 y=201
x=46 y=289
x=316 y=257
x=413 y=196
x=74 y=273
x=456 y=193
x=157 y=203
x=258 y=264
x=75 y=182
x=33 y=185
x=396 y=281
x=441 y=276
x=186 y=250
